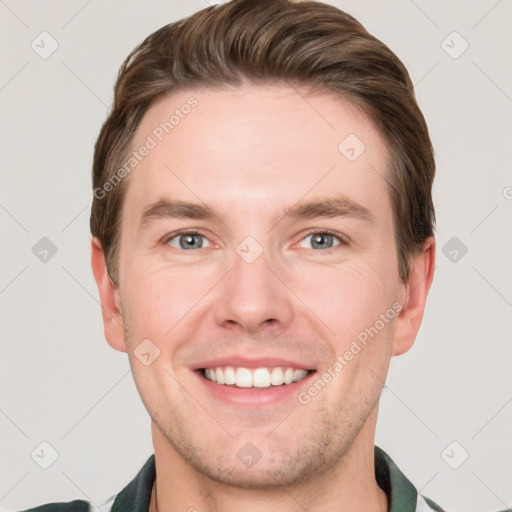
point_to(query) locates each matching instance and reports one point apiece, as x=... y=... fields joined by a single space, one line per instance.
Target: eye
x=187 y=241
x=323 y=240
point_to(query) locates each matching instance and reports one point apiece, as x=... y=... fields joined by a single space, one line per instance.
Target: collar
x=401 y=493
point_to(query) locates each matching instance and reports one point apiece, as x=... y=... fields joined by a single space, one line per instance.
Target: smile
x=254 y=377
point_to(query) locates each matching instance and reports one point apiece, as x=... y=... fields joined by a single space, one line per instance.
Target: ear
x=109 y=297
x=414 y=297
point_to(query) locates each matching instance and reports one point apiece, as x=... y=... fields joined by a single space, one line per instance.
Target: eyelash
x=343 y=241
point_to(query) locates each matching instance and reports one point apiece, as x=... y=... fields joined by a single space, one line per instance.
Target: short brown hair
x=304 y=43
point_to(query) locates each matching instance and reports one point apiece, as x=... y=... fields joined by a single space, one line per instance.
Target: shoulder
x=427 y=505
x=135 y=496
x=72 y=506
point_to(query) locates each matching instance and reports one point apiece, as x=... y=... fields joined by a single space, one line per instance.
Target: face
x=259 y=294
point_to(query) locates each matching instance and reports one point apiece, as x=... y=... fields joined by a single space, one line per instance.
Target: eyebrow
x=175 y=209
x=338 y=206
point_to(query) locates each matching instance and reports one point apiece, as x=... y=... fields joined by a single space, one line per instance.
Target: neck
x=349 y=485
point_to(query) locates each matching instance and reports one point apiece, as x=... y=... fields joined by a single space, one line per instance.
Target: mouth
x=244 y=381
x=251 y=378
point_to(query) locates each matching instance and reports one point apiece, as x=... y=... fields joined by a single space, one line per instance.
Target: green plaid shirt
x=135 y=497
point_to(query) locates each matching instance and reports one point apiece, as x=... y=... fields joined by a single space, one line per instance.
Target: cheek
x=361 y=341
x=158 y=297
x=348 y=298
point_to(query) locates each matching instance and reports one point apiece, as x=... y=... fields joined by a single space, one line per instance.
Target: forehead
x=256 y=148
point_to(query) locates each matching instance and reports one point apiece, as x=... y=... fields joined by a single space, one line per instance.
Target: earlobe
x=109 y=297
x=414 y=298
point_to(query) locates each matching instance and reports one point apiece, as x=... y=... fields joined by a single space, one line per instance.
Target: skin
x=249 y=153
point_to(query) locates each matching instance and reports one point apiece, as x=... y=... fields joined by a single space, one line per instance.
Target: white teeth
x=299 y=375
x=243 y=378
x=257 y=378
x=229 y=375
x=277 y=377
x=219 y=374
x=261 y=378
x=210 y=374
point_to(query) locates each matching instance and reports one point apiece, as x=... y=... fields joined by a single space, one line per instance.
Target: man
x=263 y=244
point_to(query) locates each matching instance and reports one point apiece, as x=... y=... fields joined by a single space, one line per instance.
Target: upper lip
x=257 y=362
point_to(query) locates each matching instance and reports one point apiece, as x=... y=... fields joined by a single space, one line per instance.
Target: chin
x=263 y=476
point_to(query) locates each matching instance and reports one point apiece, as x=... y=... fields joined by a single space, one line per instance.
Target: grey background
x=61 y=382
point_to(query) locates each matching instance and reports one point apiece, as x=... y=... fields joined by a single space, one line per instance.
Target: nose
x=253 y=298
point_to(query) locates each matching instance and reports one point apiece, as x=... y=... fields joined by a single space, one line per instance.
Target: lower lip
x=254 y=396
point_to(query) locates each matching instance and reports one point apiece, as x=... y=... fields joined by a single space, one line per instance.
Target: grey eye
x=322 y=240
x=188 y=241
